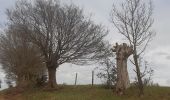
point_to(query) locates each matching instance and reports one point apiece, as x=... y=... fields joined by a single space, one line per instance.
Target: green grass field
x=86 y=93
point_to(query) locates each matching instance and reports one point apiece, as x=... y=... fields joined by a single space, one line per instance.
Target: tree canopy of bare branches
x=133 y=19
x=62 y=33
x=21 y=60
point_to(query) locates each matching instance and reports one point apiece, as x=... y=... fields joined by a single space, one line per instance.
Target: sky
x=157 y=53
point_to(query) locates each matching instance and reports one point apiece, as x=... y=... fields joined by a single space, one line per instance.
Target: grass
x=86 y=93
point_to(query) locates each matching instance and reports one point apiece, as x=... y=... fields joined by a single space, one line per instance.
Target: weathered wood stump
x=123 y=51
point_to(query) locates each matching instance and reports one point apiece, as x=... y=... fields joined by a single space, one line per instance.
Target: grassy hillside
x=85 y=93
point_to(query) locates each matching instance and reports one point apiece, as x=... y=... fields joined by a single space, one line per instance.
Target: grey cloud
x=165 y=54
x=168 y=57
x=168 y=81
x=162 y=53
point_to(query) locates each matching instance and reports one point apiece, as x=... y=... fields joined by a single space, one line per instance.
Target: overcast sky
x=158 y=52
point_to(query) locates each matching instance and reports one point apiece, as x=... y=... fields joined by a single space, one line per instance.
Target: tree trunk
x=52 y=77
x=140 y=83
x=23 y=81
x=126 y=81
x=122 y=53
x=122 y=76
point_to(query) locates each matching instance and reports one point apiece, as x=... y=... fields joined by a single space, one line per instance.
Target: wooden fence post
x=92 y=78
x=76 y=80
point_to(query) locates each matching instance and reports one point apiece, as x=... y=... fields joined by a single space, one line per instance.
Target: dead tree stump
x=123 y=51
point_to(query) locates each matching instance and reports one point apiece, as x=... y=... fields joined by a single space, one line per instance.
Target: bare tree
x=108 y=72
x=133 y=19
x=62 y=33
x=147 y=72
x=20 y=60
